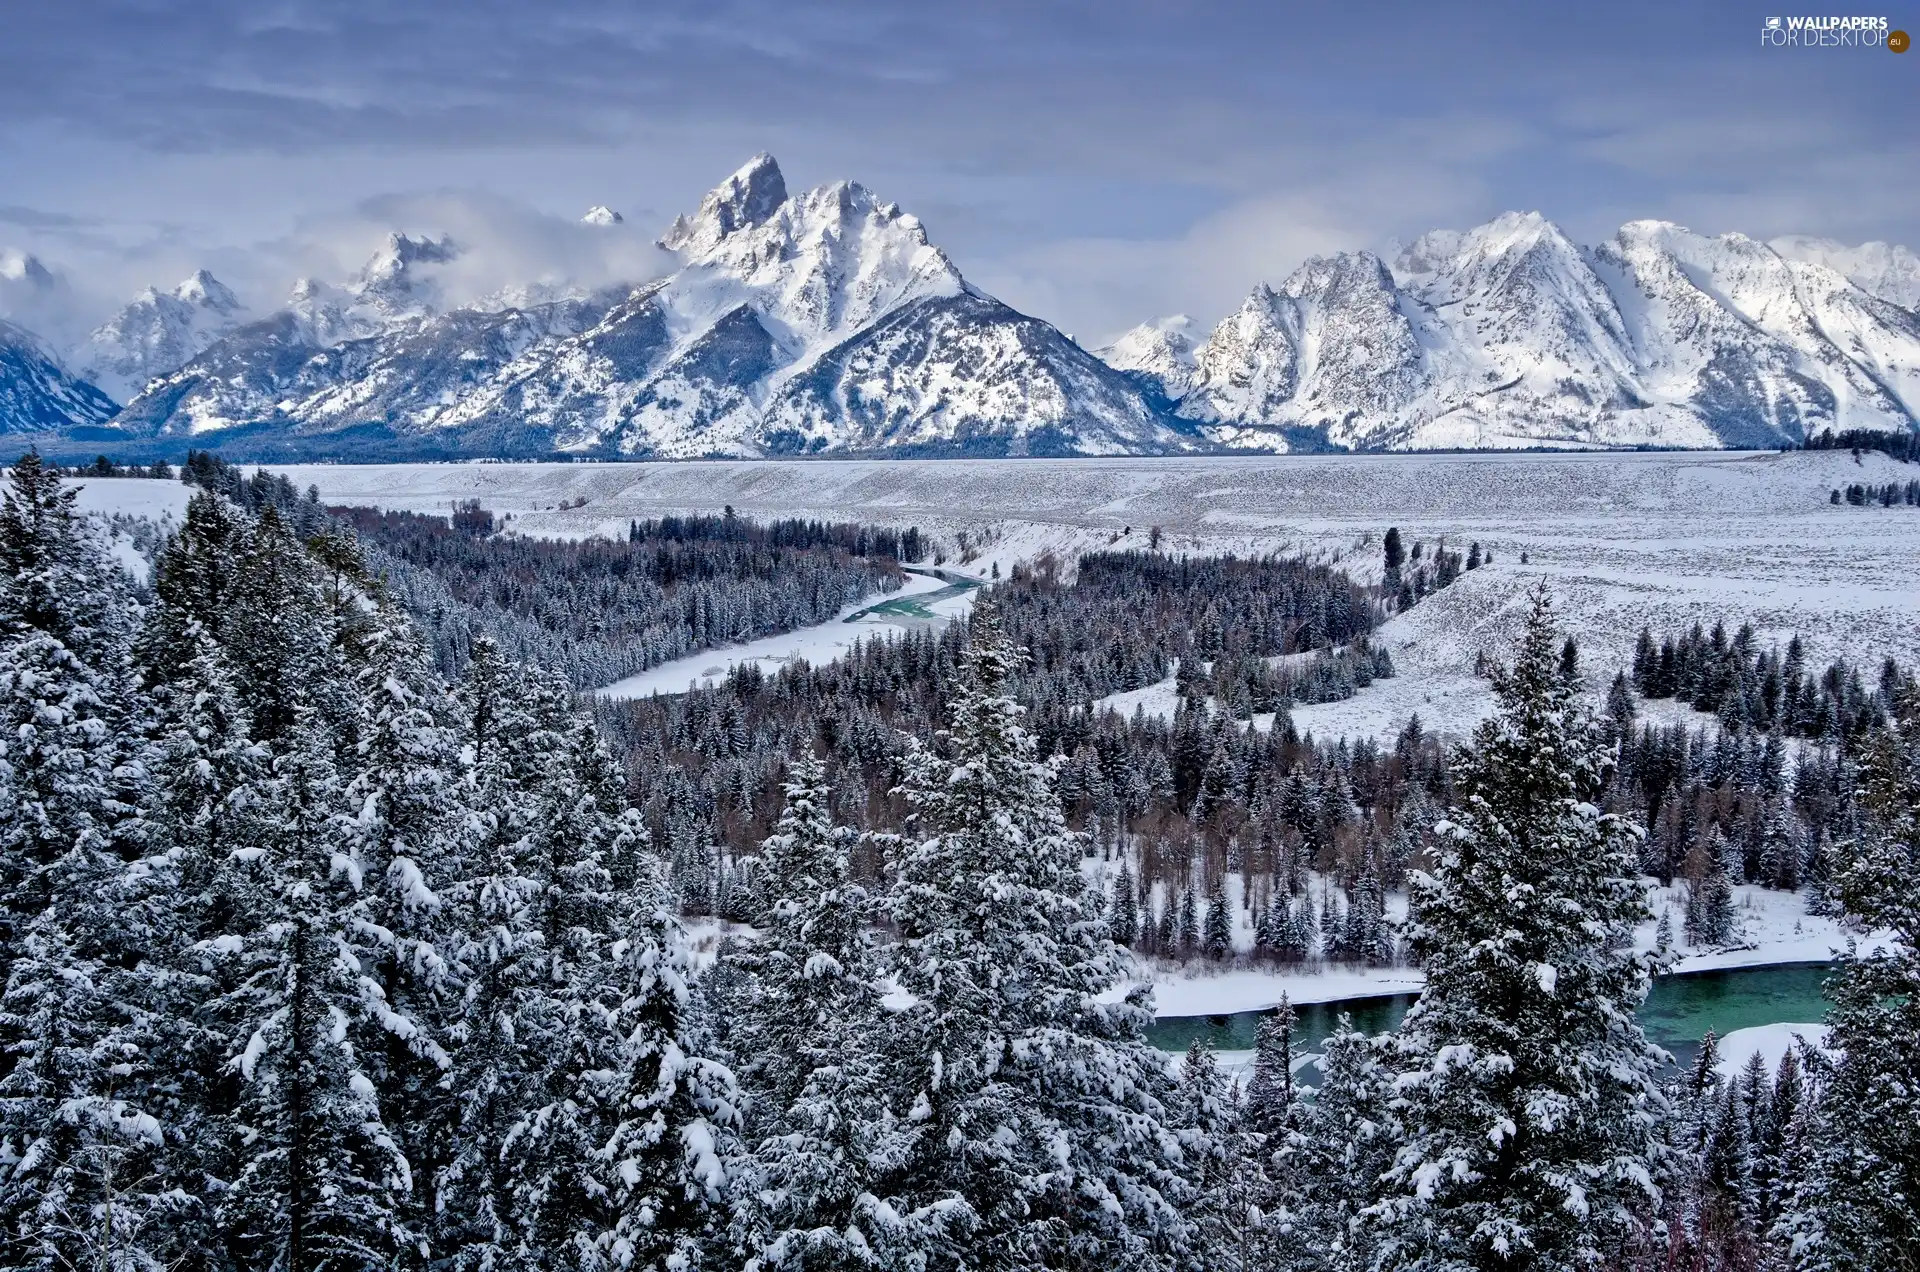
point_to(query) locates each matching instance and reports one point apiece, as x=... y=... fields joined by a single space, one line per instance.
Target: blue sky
x=1091 y=163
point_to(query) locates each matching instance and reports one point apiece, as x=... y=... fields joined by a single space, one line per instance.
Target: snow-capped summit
x=17 y=266
x=1160 y=354
x=158 y=332
x=744 y=199
x=393 y=285
x=204 y=291
x=1887 y=271
x=33 y=296
x=1510 y=334
x=601 y=214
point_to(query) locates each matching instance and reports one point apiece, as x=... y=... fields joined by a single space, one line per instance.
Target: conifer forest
x=344 y=927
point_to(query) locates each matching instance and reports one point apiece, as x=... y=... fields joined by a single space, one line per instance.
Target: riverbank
x=1775 y=930
x=927 y=596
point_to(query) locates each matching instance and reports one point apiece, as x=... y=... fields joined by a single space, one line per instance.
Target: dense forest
x=316 y=958
x=597 y=610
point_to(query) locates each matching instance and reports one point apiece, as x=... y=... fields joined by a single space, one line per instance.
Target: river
x=1676 y=1015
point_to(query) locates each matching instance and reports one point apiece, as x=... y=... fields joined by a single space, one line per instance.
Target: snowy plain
x=1657 y=538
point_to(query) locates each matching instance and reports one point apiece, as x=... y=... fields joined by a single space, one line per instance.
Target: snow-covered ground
x=1769 y=1041
x=134 y=496
x=1662 y=539
x=821 y=643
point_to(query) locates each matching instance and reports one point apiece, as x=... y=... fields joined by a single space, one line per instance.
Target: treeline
x=597 y=610
x=1763 y=690
x=1904 y=446
x=908 y=546
x=1886 y=496
x=1187 y=789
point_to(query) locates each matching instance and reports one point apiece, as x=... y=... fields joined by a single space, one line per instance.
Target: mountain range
x=826 y=322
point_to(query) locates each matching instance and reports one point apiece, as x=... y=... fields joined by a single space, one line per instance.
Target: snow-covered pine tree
x=1222 y=1164
x=1856 y=1208
x=1341 y=1146
x=1525 y=1087
x=807 y=1048
x=62 y=643
x=1272 y=1103
x=81 y=1181
x=79 y=1027
x=321 y=1181
x=193 y=587
x=1710 y=915
x=408 y=825
x=1216 y=935
x=1123 y=910
x=1038 y=1113
x=663 y=1164
x=511 y=1027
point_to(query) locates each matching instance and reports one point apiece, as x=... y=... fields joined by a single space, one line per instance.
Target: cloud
x=502 y=243
x=1094 y=164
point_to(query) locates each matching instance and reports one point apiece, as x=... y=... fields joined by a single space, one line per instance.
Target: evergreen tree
x=1526 y=1098
x=321 y=1183
x=1123 y=911
x=1272 y=1102
x=805 y=1044
x=1856 y=1209
x=1342 y=1147
x=1216 y=938
x=663 y=1172
x=1036 y=1112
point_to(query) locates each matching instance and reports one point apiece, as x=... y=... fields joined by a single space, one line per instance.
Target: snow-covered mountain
x=1512 y=335
x=156 y=333
x=37 y=395
x=1160 y=354
x=827 y=322
x=818 y=322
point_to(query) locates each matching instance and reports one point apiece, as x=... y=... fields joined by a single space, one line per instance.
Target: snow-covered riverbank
x=821 y=643
x=1776 y=929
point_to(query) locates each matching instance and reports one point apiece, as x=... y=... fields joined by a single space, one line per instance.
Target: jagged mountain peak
x=392 y=283
x=203 y=289
x=601 y=214
x=742 y=201
x=1885 y=270
x=157 y=332
x=1159 y=353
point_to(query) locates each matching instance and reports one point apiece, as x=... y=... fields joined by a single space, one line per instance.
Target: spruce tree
x=1037 y=1113
x=1527 y=1102
x=321 y=1181
x=1340 y=1149
x=805 y=1044
x=1856 y=1209
x=1216 y=939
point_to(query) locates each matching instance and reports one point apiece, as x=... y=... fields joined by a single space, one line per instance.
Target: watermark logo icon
x=1831 y=32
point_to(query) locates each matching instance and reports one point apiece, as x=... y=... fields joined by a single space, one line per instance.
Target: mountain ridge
x=826 y=322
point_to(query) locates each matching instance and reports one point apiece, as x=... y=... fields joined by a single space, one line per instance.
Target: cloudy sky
x=1092 y=163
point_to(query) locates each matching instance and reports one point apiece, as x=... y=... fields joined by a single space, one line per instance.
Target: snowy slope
x=157 y=333
x=37 y=394
x=1879 y=269
x=795 y=323
x=1511 y=335
x=1158 y=354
